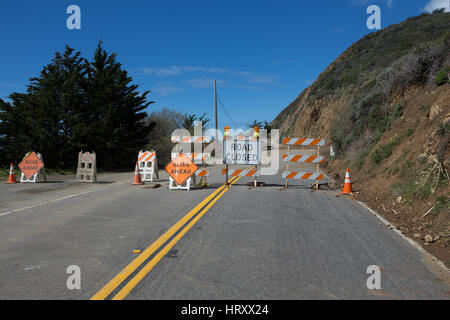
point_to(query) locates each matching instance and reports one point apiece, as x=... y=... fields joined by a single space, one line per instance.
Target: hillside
x=384 y=105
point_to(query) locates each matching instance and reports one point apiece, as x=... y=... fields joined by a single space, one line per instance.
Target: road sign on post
x=181 y=168
x=242 y=150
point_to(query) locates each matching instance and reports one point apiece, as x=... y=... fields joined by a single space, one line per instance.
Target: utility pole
x=215 y=108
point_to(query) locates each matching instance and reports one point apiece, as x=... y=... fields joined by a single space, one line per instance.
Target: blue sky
x=262 y=53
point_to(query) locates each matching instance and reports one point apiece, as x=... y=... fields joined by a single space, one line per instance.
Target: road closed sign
x=242 y=151
x=30 y=165
x=181 y=168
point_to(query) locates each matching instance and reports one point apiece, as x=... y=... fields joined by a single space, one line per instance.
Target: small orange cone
x=12 y=176
x=137 y=176
x=347 y=184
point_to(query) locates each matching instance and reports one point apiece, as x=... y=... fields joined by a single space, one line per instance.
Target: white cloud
x=165 y=88
x=389 y=3
x=178 y=70
x=203 y=82
x=9 y=85
x=437 y=4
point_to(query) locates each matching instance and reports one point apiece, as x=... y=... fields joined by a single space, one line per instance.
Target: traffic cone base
x=347 y=183
x=137 y=177
x=12 y=176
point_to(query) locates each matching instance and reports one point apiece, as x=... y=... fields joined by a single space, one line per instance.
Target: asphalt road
x=252 y=243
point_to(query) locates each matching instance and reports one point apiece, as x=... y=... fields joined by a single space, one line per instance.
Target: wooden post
x=215 y=108
x=226 y=175
x=256 y=167
x=287 y=167
x=317 y=170
x=203 y=179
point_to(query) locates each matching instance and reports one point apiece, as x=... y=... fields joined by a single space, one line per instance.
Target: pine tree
x=76 y=105
x=118 y=110
x=42 y=119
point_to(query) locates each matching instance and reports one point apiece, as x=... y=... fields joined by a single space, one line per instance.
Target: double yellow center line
x=122 y=284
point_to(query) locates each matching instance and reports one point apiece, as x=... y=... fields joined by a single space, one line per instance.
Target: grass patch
x=409 y=132
x=408 y=164
x=4 y=173
x=424 y=108
x=362 y=158
x=425 y=191
x=384 y=151
x=443 y=128
x=442 y=202
x=421 y=183
x=405 y=189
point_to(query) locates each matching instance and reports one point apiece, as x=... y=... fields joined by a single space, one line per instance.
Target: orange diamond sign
x=31 y=165
x=181 y=168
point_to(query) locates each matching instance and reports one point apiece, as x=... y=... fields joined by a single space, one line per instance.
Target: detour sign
x=181 y=168
x=31 y=165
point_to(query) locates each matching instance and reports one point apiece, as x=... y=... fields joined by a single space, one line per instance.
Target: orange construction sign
x=181 y=168
x=31 y=165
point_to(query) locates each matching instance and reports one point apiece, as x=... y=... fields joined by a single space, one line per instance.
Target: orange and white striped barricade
x=303 y=158
x=87 y=167
x=31 y=166
x=197 y=158
x=192 y=139
x=242 y=172
x=305 y=142
x=148 y=165
x=302 y=175
x=241 y=150
x=202 y=173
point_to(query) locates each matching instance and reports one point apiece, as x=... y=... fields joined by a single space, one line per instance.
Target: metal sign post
x=241 y=150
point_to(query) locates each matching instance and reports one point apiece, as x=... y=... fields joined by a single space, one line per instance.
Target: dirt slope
x=384 y=109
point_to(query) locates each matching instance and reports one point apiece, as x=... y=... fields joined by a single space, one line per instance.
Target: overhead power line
x=226 y=111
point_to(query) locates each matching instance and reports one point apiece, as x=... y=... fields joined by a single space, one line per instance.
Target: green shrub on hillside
x=379 y=50
x=384 y=151
x=443 y=128
x=409 y=132
x=442 y=77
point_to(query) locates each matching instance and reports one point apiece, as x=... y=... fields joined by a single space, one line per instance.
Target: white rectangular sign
x=241 y=152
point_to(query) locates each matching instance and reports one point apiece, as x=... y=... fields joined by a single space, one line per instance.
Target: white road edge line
x=409 y=240
x=52 y=201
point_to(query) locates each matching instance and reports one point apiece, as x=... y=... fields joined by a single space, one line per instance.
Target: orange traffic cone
x=347 y=184
x=12 y=176
x=137 y=176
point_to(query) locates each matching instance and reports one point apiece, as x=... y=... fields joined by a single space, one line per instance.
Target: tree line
x=76 y=104
x=73 y=105
x=80 y=105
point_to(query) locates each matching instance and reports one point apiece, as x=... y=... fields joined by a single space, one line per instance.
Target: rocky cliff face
x=385 y=106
